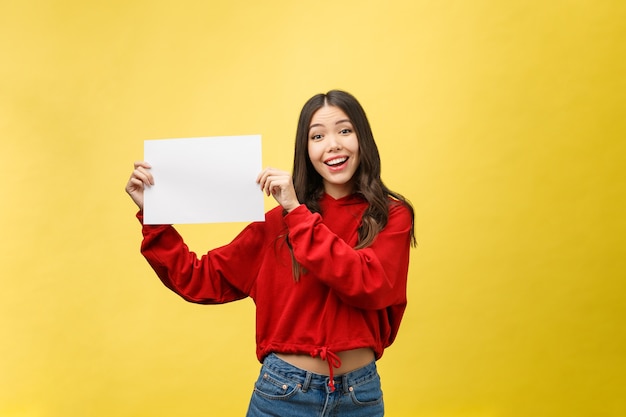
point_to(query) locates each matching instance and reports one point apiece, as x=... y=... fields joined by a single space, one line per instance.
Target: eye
x=345 y=131
x=316 y=137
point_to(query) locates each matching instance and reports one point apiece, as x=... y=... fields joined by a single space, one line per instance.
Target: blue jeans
x=282 y=390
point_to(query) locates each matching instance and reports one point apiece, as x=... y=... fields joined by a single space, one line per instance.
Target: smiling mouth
x=336 y=162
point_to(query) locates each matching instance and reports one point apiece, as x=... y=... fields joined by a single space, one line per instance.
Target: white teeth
x=336 y=161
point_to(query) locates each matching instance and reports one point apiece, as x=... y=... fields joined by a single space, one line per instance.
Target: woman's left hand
x=280 y=185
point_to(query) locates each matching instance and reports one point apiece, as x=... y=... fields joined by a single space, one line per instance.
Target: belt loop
x=307 y=382
x=344 y=383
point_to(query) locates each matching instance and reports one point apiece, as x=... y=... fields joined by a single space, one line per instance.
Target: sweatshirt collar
x=343 y=201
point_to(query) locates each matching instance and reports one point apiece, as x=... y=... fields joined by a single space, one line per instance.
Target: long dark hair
x=308 y=182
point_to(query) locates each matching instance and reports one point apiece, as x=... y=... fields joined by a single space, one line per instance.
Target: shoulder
x=259 y=231
x=398 y=206
x=274 y=221
x=400 y=212
x=275 y=214
x=272 y=217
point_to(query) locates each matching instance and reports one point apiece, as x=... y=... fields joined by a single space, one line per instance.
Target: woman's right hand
x=139 y=180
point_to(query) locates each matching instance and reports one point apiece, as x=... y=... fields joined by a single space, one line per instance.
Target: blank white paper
x=204 y=180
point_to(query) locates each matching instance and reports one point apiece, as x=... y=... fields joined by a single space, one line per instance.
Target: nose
x=334 y=143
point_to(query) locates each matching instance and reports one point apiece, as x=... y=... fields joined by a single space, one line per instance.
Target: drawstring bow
x=333 y=362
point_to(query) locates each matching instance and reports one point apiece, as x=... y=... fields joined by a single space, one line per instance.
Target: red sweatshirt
x=345 y=298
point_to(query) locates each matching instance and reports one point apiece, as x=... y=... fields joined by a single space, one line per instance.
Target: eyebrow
x=336 y=123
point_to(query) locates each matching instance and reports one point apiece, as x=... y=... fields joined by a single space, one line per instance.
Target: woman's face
x=334 y=150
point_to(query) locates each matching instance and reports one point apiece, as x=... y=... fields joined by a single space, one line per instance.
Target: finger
x=275 y=185
x=262 y=180
x=134 y=185
x=267 y=186
x=142 y=171
x=143 y=164
x=143 y=177
x=144 y=174
x=259 y=177
x=264 y=174
x=267 y=179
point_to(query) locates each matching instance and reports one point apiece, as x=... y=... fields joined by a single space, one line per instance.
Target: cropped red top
x=345 y=298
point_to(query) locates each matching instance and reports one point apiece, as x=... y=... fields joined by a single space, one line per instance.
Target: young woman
x=327 y=269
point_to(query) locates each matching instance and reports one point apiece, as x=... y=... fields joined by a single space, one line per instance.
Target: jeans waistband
x=311 y=380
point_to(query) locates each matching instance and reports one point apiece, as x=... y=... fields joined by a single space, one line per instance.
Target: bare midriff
x=350 y=361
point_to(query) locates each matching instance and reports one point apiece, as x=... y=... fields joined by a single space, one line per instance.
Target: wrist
x=289 y=210
x=292 y=207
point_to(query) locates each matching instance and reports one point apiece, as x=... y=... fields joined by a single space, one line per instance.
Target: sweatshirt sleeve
x=370 y=278
x=215 y=278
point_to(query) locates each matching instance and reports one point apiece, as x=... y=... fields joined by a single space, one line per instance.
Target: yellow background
x=502 y=121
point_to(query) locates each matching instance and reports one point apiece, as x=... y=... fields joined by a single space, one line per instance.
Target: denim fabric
x=282 y=390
